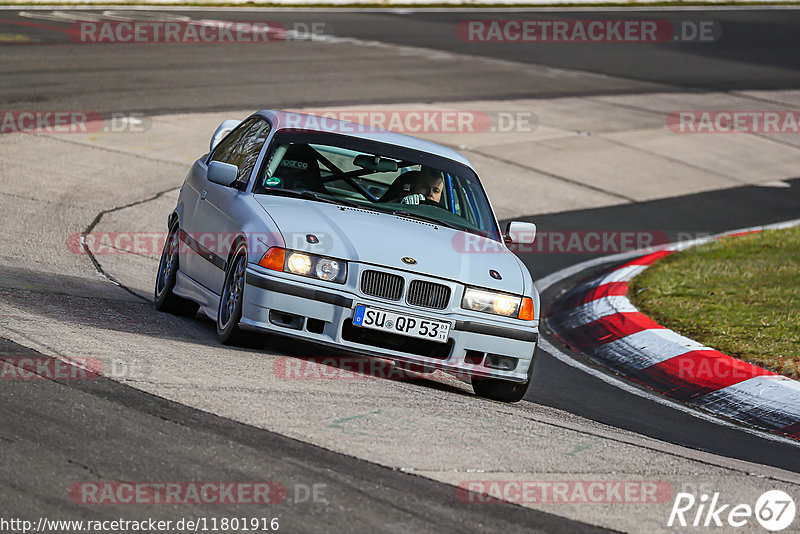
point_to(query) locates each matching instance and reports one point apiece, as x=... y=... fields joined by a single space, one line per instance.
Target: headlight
x=490 y=302
x=304 y=264
x=328 y=269
x=299 y=263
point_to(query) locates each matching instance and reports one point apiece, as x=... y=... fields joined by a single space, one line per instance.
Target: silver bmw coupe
x=357 y=238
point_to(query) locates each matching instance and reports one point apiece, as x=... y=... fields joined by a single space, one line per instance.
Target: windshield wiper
x=313 y=195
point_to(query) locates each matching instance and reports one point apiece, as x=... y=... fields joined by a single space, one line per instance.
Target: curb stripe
x=649 y=259
x=597 y=318
x=696 y=373
x=637 y=351
x=593 y=292
x=792 y=430
x=771 y=401
x=623 y=273
x=737 y=234
x=594 y=310
x=607 y=329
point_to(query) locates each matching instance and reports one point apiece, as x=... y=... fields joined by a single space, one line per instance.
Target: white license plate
x=401 y=323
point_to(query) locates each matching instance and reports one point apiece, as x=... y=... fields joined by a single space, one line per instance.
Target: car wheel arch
x=238 y=241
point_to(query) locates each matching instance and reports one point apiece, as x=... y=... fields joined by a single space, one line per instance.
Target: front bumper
x=279 y=304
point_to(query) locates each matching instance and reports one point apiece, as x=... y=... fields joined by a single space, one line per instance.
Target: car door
x=216 y=216
x=197 y=238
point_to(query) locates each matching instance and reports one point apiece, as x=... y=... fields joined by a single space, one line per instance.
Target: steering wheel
x=429 y=202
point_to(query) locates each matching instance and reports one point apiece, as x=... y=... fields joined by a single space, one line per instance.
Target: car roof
x=370 y=133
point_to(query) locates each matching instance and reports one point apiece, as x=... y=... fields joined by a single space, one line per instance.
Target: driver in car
x=427 y=186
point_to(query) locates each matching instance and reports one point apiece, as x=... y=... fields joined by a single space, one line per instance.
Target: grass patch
x=739 y=295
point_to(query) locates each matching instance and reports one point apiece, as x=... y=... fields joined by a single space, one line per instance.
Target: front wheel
x=502 y=390
x=163 y=297
x=230 y=303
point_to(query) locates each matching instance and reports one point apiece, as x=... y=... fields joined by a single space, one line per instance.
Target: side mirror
x=520 y=233
x=222 y=130
x=222 y=173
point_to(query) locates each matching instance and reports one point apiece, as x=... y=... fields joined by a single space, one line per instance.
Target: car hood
x=383 y=239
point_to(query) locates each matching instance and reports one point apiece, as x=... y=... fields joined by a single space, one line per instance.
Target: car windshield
x=358 y=172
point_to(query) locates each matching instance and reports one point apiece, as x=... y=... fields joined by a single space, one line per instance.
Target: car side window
x=223 y=151
x=247 y=150
x=243 y=146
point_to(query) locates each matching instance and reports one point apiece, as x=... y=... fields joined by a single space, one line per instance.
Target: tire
x=163 y=297
x=503 y=390
x=229 y=312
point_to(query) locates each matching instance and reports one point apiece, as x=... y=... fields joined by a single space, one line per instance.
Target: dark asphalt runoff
x=50 y=428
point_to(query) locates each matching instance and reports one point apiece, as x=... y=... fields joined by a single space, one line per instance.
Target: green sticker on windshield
x=272 y=180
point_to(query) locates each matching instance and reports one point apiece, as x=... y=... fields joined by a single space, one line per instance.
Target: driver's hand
x=413 y=199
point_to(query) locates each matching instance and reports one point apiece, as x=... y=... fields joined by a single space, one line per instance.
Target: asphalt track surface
x=121 y=424
x=164 y=440
x=758 y=52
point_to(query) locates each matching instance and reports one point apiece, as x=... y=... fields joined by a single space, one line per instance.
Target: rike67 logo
x=774 y=510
